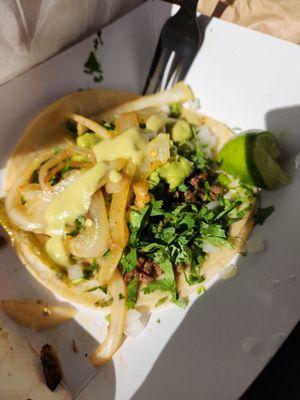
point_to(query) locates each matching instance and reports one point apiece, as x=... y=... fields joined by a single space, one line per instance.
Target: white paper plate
x=217 y=347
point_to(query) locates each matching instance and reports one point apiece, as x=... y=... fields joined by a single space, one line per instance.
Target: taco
x=114 y=200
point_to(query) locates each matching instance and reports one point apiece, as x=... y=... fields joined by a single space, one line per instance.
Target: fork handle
x=189 y=6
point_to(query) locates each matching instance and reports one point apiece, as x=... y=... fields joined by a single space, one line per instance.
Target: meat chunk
x=51 y=366
x=196 y=179
x=145 y=271
x=190 y=196
x=215 y=191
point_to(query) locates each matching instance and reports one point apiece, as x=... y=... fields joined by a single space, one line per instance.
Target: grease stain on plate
x=252 y=346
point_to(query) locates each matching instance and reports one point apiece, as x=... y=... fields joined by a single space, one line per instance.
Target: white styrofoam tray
x=217 y=347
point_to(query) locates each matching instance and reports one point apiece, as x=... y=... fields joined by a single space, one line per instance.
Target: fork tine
x=171 y=71
x=178 y=44
x=155 y=75
x=185 y=66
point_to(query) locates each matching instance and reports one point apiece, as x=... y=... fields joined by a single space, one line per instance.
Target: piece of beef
x=51 y=366
x=145 y=271
x=196 y=179
x=128 y=276
x=190 y=196
x=215 y=191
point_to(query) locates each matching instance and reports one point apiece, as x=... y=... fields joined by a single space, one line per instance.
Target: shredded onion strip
x=99 y=130
x=27 y=218
x=57 y=162
x=117 y=216
x=92 y=242
x=118 y=229
x=179 y=93
x=113 y=340
x=126 y=121
x=157 y=153
x=140 y=189
x=37 y=316
x=116 y=187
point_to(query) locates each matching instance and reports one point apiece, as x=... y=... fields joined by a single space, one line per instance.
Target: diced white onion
x=230 y=195
x=193 y=104
x=206 y=137
x=135 y=323
x=212 y=205
x=75 y=272
x=210 y=248
x=228 y=272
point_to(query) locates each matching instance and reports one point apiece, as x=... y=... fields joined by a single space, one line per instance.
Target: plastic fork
x=177 y=47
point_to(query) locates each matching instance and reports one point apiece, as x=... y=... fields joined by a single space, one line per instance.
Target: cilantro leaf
x=103 y=288
x=161 y=301
x=262 y=214
x=216 y=241
x=129 y=262
x=168 y=234
x=79 y=223
x=165 y=285
x=188 y=220
x=132 y=292
x=89 y=271
x=92 y=64
x=182 y=187
x=156 y=208
x=137 y=220
x=212 y=230
x=57 y=149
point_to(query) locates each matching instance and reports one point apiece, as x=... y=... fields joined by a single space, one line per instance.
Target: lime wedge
x=252 y=157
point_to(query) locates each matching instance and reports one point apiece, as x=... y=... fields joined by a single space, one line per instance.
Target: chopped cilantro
x=57 y=149
x=132 y=292
x=121 y=296
x=96 y=43
x=107 y=253
x=262 y=214
x=89 y=271
x=161 y=301
x=35 y=177
x=129 y=262
x=103 y=288
x=156 y=208
x=110 y=126
x=92 y=65
x=182 y=187
x=23 y=200
x=201 y=290
x=102 y=304
x=158 y=321
x=79 y=223
x=64 y=170
x=176 y=227
x=99 y=35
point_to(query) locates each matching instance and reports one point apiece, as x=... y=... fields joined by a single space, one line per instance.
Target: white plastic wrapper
x=33 y=30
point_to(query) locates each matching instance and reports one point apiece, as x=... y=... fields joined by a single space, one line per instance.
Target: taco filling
x=129 y=209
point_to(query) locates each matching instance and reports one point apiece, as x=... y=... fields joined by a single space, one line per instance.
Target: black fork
x=179 y=42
